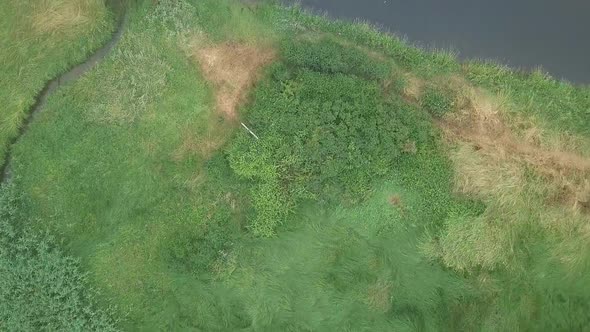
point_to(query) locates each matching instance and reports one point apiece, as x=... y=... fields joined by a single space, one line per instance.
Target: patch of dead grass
x=530 y=177
x=233 y=68
x=495 y=149
x=469 y=244
x=486 y=175
x=414 y=88
x=379 y=296
x=62 y=15
x=395 y=200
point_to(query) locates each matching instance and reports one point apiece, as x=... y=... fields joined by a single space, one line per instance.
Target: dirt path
x=120 y=10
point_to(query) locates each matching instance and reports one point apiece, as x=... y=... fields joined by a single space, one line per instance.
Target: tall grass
x=404 y=233
x=40 y=39
x=351 y=269
x=561 y=105
x=133 y=189
x=41 y=288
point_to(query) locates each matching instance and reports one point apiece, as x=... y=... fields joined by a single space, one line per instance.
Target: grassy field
x=39 y=40
x=388 y=188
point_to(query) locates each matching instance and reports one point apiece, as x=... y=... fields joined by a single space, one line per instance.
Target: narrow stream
x=523 y=34
x=119 y=8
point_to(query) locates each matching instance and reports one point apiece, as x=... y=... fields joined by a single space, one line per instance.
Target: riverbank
x=521 y=35
x=387 y=188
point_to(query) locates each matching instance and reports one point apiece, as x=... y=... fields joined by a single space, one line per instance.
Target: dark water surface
x=552 y=34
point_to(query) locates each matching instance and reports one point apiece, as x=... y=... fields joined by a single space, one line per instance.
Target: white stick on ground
x=250 y=131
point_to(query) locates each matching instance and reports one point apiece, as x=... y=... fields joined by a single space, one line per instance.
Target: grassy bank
x=387 y=188
x=40 y=39
x=42 y=288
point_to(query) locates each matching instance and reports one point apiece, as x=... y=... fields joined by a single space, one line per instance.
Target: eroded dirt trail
x=505 y=147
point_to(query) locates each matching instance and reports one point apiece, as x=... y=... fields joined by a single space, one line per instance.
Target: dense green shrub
x=437 y=102
x=321 y=132
x=41 y=289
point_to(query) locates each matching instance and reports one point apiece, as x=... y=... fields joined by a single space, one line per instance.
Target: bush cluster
x=325 y=128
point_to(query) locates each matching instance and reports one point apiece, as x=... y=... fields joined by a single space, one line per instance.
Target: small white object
x=250 y=131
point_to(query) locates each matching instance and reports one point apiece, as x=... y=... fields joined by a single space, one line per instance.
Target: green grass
x=38 y=42
x=350 y=185
x=349 y=268
x=560 y=105
x=42 y=289
x=437 y=102
x=136 y=199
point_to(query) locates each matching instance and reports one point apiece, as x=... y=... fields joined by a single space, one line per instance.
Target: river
x=526 y=34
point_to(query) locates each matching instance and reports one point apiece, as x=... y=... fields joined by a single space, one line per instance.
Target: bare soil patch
x=233 y=68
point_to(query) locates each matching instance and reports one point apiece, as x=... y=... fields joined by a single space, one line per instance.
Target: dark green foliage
x=322 y=133
x=430 y=173
x=328 y=56
x=437 y=102
x=41 y=289
x=196 y=250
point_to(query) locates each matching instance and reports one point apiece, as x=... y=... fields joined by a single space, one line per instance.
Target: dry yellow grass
x=470 y=244
x=485 y=175
x=414 y=88
x=233 y=68
x=379 y=296
x=52 y=16
x=528 y=176
x=495 y=148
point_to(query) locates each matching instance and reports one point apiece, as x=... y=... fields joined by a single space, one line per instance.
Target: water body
x=526 y=34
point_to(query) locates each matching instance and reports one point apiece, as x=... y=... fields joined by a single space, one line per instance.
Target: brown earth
x=482 y=124
x=233 y=68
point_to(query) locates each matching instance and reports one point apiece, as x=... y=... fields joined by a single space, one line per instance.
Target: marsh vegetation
x=389 y=188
